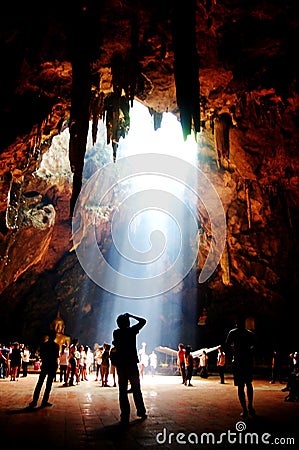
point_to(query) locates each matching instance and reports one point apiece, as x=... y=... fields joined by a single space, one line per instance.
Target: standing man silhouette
x=181 y=362
x=49 y=353
x=124 y=340
x=242 y=342
x=221 y=364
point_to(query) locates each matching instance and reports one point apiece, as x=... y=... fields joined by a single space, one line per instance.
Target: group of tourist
x=14 y=358
x=125 y=358
x=240 y=344
x=188 y=365
x=185 y=362
x=127 y=365
x=75 y=362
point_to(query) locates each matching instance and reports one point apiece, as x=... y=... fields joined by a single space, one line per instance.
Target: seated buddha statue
x=58 y=326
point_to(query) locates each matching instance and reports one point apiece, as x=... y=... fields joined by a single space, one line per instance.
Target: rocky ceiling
x=228 y=69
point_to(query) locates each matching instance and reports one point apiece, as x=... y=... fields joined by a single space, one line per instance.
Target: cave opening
x=135 y=233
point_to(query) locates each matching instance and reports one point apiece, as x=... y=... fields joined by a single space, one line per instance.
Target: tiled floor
x=86 y=416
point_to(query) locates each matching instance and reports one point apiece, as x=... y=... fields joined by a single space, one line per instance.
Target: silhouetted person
x=293 y=369
x=293 y=381
x=15 y=361
x=124 y=340
x=105 y=366
x=221 y=364
x=189 y=360
x=72 y=373
x=143 y=359
x=181 y=361
x=25 y=360
x=153 y=360
x=203 y=362
x=49 y=354
x=276 y=367
x=242 y=343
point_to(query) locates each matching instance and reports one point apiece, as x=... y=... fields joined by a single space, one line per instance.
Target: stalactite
x=82 y=47
x=203 y=104
x=117 y=119
x=221 y=132
x=248 y=202
x=117 y=105
x=186 y=64
x=15 y=199
x=157 y=118
x=79 y=123
x=225 y=266
x=34 y=149
x=84 y=40
x=134 y=63
x=97 y=107
x=264 y=110
x=14 y=202
x=126 y=78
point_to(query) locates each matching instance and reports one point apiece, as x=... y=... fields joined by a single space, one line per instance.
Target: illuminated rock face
x=248 y=147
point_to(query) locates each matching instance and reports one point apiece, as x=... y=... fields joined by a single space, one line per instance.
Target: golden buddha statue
x=58 y=326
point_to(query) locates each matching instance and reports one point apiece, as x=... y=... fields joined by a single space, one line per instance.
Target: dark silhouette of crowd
x=121 y=364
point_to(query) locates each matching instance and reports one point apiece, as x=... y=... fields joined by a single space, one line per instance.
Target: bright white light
x=168 y=139
x=153 y=227
x=142 y=138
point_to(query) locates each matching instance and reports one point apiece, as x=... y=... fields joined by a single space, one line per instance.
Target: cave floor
x=86 y=416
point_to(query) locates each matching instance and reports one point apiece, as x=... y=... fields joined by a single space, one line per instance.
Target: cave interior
x=228 y=71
